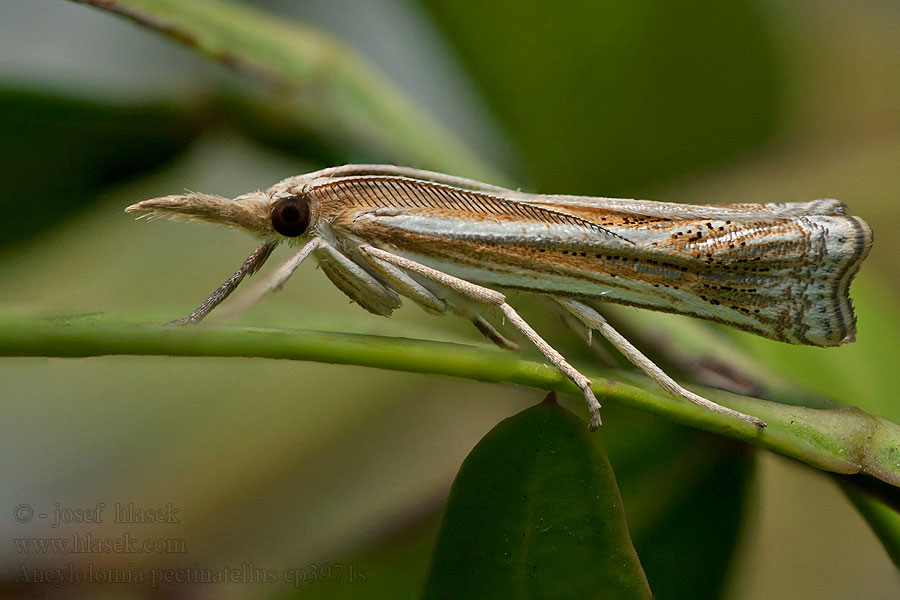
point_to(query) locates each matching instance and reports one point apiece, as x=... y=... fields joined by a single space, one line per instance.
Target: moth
x=454 y=245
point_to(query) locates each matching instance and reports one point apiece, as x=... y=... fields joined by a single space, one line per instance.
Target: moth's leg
x=359 y=285
x=488 y=331
x=595 y=320
x=252 y=264
x=703 y=367
x=581 y=330
x=490 y=297
x=274 y=282
x=405 y=284
x=418 y=293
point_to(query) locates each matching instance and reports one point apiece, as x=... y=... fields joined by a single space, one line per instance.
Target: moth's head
x=280 y=211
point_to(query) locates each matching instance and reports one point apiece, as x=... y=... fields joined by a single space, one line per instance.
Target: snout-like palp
x=249 y=212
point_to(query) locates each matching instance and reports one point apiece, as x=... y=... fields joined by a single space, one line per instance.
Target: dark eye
x=290 y=216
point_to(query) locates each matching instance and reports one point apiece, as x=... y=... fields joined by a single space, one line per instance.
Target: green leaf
x=881 y=510
x=535 y=513
x=309 y=82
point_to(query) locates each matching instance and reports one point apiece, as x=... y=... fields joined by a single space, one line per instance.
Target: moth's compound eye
x=290 y=216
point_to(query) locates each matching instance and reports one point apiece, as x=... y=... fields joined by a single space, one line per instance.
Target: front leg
x=350 y=278
x=251 y=265
x=272 y=283
x=488 y=297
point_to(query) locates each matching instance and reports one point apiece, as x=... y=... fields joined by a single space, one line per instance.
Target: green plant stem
x=843 y=440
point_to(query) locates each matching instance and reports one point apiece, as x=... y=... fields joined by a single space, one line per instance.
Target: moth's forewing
x=782 y=271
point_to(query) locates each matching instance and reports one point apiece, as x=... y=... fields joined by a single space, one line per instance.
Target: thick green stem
x=843 y=440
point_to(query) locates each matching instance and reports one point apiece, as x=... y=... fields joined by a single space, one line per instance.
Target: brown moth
x=379 y=232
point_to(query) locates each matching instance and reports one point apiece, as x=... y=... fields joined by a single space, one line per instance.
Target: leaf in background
x=881 y=517
x=690 y=550
x=58 y=151
x=316 y=84
x=605 y=97
x=535 y=513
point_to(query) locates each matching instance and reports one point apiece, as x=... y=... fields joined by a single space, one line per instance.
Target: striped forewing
x=782 y=271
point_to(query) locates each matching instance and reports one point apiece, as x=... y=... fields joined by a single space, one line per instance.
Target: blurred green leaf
x=612 y=96
x=315 y=83
x=535 y=513
x=59 y=151
x=883 y=518
x=684 y=494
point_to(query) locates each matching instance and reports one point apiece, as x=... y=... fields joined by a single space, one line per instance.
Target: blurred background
x=286 y=466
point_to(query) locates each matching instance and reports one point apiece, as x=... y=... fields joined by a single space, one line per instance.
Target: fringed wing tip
x=850 y=337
